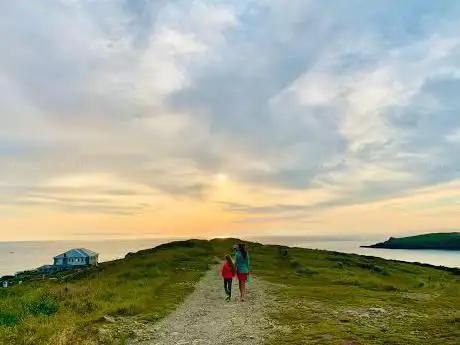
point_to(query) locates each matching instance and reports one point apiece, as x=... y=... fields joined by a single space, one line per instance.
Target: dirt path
x=205 y=318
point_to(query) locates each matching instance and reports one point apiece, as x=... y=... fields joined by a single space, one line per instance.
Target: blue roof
x=77 y=253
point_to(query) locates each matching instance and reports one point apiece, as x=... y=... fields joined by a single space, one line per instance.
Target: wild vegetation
x=321 y=297
x=334 y=298
x=70 y=307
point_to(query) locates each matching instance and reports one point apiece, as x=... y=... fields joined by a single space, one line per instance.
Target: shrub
x=305 y=271
x=8 y=319
x=283 y=252
x=78 y=306
x=372 y=286
x=389 y=288
x=295 y=264
x=44 y=306
x=455 y=321
x=373 y=268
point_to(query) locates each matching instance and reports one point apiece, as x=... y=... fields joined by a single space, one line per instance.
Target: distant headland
x=439 y=241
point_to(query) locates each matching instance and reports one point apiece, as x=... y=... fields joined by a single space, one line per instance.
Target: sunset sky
x=152 y=118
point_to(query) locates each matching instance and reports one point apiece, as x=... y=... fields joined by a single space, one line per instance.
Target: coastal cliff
x=439 y=241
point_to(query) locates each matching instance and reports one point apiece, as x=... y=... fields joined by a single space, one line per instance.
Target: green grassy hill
x=443 y=241
x=321 y=297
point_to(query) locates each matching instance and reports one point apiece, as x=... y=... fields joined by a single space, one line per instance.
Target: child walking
x=228 y=271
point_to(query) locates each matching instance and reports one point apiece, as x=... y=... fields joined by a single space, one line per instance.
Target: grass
x=321 y=297
x=334 y=298
x=69 y=310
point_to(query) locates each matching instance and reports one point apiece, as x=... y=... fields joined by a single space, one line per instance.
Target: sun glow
x=221 y=177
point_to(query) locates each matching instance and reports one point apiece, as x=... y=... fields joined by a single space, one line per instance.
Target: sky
x=191 y=118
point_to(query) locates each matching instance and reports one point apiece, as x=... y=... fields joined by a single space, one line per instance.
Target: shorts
x=243 y=276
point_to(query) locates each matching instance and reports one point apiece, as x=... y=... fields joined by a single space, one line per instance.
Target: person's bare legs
x=242 y=289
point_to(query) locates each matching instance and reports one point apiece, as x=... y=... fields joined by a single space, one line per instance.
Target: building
x=75 y=258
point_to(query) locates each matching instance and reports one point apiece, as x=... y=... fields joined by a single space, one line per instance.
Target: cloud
x=270 y=209
x=358 y=99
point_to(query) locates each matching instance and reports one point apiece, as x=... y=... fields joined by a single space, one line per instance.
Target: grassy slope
x=148 y=285
x=323 y=297
x=331 y=298
x=427 y=241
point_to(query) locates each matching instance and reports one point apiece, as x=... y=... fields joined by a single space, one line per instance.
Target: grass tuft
x=8 y=319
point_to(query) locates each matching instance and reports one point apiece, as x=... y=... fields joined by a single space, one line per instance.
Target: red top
x=226 y=271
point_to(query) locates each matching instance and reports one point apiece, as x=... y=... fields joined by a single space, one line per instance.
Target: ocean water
x=20 y=256
x=353 y=246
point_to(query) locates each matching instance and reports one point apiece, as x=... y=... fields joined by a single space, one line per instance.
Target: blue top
x=242 y=264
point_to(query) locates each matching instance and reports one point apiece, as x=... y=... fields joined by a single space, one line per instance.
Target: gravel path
x=205 y=318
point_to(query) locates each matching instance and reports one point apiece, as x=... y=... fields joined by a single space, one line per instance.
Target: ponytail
x=230 y=264
x=243 y=250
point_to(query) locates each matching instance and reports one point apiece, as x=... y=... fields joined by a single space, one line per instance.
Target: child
x=228 y=271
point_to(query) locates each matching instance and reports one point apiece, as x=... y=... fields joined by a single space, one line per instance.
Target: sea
x=20 y=256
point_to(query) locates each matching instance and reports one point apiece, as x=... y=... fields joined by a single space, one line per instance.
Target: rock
x=108 y=319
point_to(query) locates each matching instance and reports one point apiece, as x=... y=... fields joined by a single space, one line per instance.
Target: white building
x=79 y=257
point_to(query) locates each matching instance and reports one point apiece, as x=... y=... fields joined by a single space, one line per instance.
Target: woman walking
x=242 y=268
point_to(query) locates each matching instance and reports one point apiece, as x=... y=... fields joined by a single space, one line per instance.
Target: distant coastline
x=29 y=255
x=435 y=241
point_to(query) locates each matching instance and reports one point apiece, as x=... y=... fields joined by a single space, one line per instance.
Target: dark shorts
x=243 y=276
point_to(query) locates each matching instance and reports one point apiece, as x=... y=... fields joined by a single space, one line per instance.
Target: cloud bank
x=115 y=106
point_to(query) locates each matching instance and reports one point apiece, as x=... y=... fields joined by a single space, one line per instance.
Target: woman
x=242 y=268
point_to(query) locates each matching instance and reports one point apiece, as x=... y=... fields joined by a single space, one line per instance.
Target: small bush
x=108 y=296
x=283 y=252
x=389 y=288
x=368 y=285
x=295 y=264
x=455 y=321
x=8 y=319
x=348 y=282
x=373 y=268
x=45 y=306
x=305 y=271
